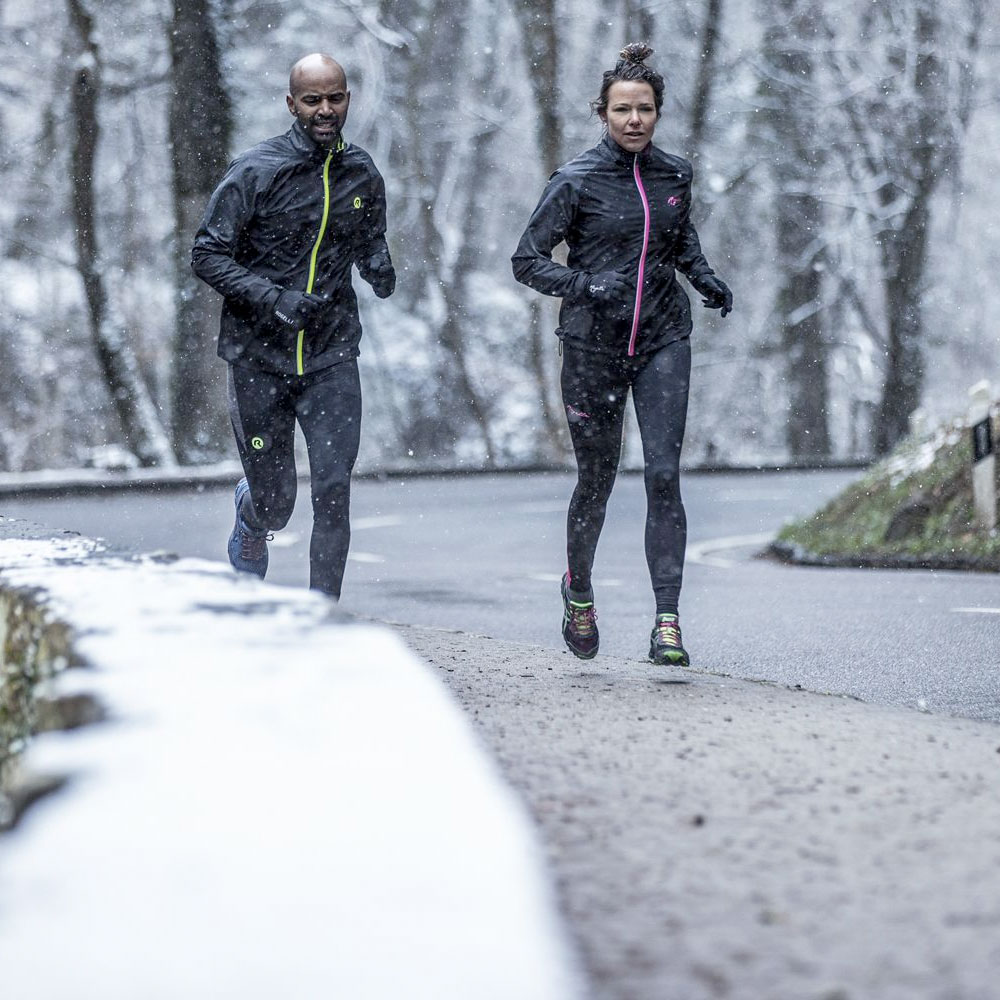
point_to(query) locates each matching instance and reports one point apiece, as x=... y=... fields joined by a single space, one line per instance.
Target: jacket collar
x=300 y=140
x=623 y=156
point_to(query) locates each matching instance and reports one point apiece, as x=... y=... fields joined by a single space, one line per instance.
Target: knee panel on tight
x=333 y=503
x=663 y=483
x=272 y=512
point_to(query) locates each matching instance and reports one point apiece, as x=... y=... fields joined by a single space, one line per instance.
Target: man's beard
x=325 y=139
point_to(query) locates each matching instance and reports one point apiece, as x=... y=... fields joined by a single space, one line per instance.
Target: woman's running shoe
x=665 y=645
x=579 y=628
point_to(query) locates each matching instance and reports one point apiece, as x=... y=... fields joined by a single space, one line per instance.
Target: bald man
x=280 y=236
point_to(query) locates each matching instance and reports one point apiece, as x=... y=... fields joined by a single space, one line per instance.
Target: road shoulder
x=720 y=837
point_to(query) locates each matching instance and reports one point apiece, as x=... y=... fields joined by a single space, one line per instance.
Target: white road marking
x=285 y=539
x=701 y=552
x=976 y=611
x=557 y=578
x=365 y=557
x=384 y=521
x=755 y=496
x=542 y=507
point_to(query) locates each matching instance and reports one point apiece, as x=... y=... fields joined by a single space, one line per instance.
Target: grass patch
x=915 y=504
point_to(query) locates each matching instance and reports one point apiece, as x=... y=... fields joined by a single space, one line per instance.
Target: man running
x=279 y=238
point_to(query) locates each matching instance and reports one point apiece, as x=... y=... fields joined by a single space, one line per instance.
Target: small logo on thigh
x=259 y=442
x=575 y=415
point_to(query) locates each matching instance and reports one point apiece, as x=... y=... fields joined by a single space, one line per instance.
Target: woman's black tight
x=595 y=391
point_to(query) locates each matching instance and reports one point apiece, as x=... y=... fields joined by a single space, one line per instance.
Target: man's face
x=319 y=100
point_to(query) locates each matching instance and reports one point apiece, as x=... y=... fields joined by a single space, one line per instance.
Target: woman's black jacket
x=616 y=211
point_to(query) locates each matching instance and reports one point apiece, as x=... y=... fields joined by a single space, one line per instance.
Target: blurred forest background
x=846 y=160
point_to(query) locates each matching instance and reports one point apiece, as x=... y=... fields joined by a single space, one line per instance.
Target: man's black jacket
x=291 y=215
x=598 y=204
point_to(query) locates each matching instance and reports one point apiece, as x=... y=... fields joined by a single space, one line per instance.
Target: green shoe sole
x=674 y=658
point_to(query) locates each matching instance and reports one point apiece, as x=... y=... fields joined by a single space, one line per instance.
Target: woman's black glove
x=610 y=287
x=715 y=293
x=613 y=291
x=299 y=309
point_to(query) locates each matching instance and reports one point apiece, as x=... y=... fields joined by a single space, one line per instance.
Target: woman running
x=623 y=210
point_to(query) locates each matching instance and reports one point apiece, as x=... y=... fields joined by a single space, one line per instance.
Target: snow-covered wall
x=278 y=803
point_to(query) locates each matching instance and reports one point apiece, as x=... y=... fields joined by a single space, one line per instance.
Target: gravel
x=715 y=837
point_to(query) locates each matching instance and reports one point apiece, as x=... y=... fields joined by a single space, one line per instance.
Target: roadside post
x=984 y=472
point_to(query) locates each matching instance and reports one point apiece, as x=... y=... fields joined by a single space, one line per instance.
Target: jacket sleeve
x=213 y=257
x=691 y=261
x=372 y=256
x=549 y=223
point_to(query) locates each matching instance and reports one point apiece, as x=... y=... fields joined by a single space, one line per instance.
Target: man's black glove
x=610 y=287
x=715 y=293
x=299 y=309
x=383 y=280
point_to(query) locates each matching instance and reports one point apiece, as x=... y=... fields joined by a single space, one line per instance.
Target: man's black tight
x=327 y=405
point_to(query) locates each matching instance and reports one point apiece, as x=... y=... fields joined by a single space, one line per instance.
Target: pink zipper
x=642 y=259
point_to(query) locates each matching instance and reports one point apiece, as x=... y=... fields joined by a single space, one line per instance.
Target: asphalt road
x=708 y=838
x=484 y=554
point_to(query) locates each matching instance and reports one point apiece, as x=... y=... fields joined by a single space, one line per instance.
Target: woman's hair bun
x=631 y=66
x=636 y=52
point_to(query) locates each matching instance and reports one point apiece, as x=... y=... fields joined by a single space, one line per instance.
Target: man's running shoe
x=247 y=546
x=579 y=624
x=665 y=645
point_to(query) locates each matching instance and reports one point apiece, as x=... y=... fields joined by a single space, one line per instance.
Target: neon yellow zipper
x=299 y=367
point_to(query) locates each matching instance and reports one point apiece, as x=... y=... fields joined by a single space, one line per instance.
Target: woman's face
x=631 y=114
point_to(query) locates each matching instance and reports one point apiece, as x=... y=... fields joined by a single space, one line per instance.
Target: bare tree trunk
x=537 y=19
x=787 y=128
x=906 y=133
x=452 y=330
x=905 y=248
x=800 y=309
x=904 y=256
x=639 y=20
x=428 y=154
x=555 y=437
x=701 y=99
x=200 y=131
x=136 y=411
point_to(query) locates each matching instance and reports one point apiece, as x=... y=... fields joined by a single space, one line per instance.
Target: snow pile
x=281 y=805
x=909 y=461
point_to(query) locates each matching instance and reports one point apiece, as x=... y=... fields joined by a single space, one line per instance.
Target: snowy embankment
x=280 y=803
x=915 y=509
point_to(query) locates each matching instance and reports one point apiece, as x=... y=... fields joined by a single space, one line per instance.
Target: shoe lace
x=583 y=619
x=668 y=631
